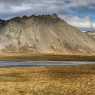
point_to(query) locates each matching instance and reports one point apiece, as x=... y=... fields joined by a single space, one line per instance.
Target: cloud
x=76 y=3
x=79 y=3
x=82 y=7
x=79 y=13
x=10 y=8
x=75 y=12
x=85 y=22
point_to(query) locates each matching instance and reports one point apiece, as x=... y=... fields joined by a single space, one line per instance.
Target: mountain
x=43 y=35
x=91 y=34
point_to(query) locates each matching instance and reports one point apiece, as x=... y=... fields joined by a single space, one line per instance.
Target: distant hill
x=43 y=34
x=91 y=34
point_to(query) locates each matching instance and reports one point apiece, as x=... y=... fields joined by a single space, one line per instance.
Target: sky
x=79 y=13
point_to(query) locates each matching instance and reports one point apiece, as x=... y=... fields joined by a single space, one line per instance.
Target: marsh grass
x=50 y=57
x=48 y=81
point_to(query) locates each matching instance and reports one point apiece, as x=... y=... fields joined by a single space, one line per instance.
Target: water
x=42 y=63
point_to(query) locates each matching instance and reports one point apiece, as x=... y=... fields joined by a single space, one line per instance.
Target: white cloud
x=13 y=9
x=85 y=22
x=23 y=7
x=10 y=8
x=76 y=3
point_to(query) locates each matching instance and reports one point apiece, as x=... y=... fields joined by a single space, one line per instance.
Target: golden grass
x=53 y=57
x=48 y=81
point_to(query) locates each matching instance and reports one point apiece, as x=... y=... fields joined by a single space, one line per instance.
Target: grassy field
x=48 y=81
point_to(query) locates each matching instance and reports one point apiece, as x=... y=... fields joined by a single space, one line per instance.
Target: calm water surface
x=42 y=63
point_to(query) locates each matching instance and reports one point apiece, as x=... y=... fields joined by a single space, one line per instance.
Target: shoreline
x=46 y=57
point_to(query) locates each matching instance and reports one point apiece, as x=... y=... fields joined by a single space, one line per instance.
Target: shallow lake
x=42 y=63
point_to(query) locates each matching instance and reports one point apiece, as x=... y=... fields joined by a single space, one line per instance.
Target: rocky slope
x=43 y=34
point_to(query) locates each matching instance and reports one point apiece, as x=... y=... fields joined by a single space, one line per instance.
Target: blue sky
x=79 y=13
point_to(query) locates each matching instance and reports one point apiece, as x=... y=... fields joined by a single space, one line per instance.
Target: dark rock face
x=43 y=34
x=2 y=21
